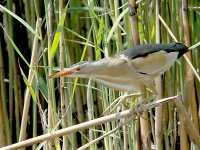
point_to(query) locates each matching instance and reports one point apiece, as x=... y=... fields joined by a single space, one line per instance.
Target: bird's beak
x=63 y=73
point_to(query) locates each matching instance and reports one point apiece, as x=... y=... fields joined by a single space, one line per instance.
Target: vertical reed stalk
x=62 y=91
x=5 y=132
x=189 y=88
x=159 y=87
x=117 y=30
x=136 y=40
x=11 y=71
x=49 y=9
x=31 y=80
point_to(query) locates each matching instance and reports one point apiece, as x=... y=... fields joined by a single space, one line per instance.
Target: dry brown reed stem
x=31 y=80
x=50 y=32
x=90 y=110
x=134 y=22
x=62 y=91
x=159 y=87
x=189 y=87
x=85 y=125
x=191 y=129
x=143 y=125
x=189 y=81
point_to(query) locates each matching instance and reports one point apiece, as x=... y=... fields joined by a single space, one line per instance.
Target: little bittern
x=127 y=70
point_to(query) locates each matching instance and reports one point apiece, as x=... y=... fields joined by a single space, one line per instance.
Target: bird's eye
x=175 y=44
x=77 y=69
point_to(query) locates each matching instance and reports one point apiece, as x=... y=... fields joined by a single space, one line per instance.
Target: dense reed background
x=39 y=38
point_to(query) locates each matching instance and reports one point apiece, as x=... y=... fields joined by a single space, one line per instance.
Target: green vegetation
x=39 y=38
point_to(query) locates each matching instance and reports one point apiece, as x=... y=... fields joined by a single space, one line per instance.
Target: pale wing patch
x=154 y=63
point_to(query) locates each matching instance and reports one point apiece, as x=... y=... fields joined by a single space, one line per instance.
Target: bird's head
x=84 y=69
x=181 y=48
x=79 y=69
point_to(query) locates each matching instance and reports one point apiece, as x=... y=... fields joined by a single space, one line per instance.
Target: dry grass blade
x=194 y=46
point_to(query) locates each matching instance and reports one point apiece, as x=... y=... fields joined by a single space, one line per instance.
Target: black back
x=146 y=49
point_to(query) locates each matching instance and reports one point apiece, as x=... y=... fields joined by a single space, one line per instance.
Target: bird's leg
x=151 y=87
x=120 y=100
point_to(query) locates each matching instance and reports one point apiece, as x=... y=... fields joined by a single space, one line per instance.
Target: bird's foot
x=140 y=103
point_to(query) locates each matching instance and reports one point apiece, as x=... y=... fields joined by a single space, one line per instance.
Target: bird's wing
x=154 y=58
x=155 y=63
x=146 y=49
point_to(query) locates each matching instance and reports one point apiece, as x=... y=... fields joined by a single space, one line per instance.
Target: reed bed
x=39 y=38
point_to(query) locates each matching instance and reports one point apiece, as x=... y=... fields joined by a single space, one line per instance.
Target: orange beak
x=62 y=73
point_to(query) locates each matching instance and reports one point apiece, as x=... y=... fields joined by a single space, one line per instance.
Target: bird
x=129 y=69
